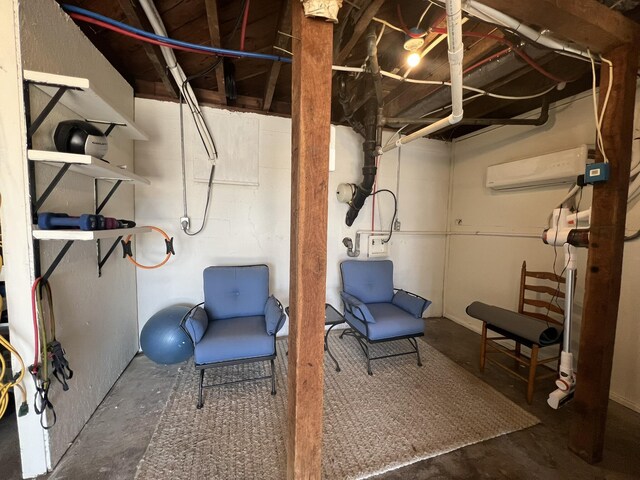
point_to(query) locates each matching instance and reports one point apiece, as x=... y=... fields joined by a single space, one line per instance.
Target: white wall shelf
x=86 y=235
x=86 y=165
x=84 y=99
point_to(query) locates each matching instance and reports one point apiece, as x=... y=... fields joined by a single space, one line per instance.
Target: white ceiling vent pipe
x=494 y=16
x=456 y=49
x=178 y=74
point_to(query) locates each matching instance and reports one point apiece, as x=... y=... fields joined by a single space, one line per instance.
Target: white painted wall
x=96 y=318
x=487 y=268
x=249 y=224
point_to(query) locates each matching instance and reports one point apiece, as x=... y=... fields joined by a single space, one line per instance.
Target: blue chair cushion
x=234 y=339
x=357 y=308
x=410 y=303
x=369 y=281
x=273 y=315
x=391 y=322
x=196 y=324
x=235 y=291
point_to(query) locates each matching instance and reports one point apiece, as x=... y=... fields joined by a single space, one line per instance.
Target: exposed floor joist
x=361 y=26
x=139 y=20
x=281 y=42
x=214 y=33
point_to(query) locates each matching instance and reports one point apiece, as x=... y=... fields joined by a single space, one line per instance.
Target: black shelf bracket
x=57 y=261
x=51 y=186
x=108 y=197
x=102 y=261
x=35 y=125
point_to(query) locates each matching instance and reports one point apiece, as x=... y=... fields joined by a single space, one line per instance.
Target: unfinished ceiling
x=495 y=59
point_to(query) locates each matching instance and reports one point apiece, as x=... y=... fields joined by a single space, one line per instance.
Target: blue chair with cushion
x=376 y=311
x=238 y=323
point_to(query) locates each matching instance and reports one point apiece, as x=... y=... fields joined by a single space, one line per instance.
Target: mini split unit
x=554 y=168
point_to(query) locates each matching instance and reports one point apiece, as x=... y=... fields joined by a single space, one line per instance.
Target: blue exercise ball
x=162 y=339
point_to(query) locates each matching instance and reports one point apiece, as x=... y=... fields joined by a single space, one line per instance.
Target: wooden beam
x=139 y=20
x=211 y=98
x=604 y=263
x=361 y=25
x=311 y=117
x=281 y=41
x=585 y=22
x=214 y=34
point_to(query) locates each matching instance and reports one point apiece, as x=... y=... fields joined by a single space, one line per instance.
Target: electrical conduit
x=492 y=15
x=456 y=49
x=181 y=79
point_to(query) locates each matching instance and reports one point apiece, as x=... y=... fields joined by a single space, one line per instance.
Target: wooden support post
x=310 y=118
x=604 y=265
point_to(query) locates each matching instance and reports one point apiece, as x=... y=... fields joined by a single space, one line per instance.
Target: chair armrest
x=410 y=302
x=274 y=316
x=195 y=323
x=357 y=308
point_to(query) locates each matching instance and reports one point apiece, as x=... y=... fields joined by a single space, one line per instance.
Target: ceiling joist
x=281 y=43
x=214 y=34
x=139 y=20
x=360 y=27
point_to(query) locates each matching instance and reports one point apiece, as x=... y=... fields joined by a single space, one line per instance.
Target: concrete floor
x=116 y=437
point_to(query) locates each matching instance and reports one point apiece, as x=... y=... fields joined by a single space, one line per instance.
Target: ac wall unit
x=550 y=169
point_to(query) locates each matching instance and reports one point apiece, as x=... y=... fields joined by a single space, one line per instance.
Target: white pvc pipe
x=455 y=52
x=494 y=16
x=178 y=74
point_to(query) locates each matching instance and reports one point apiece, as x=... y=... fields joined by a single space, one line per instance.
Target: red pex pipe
x=82 y=18
x=244 y=24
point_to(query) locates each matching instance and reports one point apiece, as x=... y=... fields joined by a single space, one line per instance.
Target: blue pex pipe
x=144 y=33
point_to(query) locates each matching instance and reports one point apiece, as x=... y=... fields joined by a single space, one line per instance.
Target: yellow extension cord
x=17 y=383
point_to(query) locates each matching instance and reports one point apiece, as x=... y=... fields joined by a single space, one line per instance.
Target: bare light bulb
x=413 y=59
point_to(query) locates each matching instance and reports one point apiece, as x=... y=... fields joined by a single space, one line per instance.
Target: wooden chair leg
x=483 y=346
x=532 y=373
x=517 y=352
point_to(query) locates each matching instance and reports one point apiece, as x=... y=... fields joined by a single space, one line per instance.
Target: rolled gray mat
x=529 y=328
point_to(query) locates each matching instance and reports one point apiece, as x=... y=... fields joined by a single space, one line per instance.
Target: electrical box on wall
x=377 y=247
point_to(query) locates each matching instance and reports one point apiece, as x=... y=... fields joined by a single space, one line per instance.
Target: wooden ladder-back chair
x=541 y=297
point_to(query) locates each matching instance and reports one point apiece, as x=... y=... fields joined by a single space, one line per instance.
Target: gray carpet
x=372 y=424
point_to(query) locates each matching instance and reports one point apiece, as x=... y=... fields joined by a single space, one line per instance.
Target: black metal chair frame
x=205 y=366
x=364 y=341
